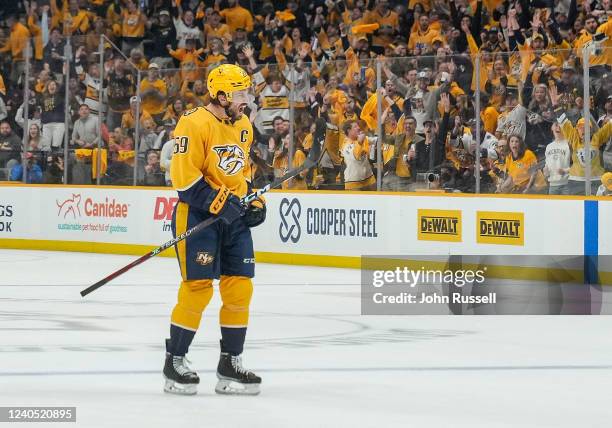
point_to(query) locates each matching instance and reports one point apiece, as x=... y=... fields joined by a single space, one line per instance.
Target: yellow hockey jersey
x=598 y=138
x=210 y=149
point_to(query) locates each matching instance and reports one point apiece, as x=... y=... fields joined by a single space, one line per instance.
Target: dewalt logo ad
x=504 y=228
x=439 y=225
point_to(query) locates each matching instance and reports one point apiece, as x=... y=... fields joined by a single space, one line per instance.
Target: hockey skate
x=180 y=379
x=235 y=379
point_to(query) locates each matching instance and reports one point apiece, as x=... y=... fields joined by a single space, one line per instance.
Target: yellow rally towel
x=365 y=28
x=285 y=15
x=103 y=162
x=83 y=153
x=93 y=154
x=369 y=113
x=455 y=90
x=125 y=155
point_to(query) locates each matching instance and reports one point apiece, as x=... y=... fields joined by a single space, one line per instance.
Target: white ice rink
x=322 y=363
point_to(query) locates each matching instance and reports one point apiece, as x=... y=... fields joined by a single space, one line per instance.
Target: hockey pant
x=218 y=251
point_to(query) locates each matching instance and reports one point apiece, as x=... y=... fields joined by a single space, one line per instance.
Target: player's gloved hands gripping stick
x=225 y=205
x=255 y=210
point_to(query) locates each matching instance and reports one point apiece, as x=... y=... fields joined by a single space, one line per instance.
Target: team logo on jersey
x=581 y=155
x=203 y=258
x=70 y=206
x=290 y=212
x=231 y=158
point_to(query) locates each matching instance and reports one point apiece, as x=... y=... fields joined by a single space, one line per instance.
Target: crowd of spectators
x=516 y=65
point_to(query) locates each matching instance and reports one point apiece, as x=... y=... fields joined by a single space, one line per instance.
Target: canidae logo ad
x=505 y=228
x=89 y=214
x=295 y=221
x=164 y=207
x=439 y=225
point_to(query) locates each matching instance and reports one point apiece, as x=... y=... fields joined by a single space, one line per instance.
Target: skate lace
x=237 y=365
x=180 y=365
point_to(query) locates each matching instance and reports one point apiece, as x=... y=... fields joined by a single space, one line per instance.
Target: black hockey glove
x=227 y=206
x=255 y=213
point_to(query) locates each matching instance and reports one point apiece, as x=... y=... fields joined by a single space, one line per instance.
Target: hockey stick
x=308 y=163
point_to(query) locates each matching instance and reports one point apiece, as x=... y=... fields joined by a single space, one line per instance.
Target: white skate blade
x=179 y=388
x=231 y=387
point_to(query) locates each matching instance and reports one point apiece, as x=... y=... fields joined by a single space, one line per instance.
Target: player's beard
x=234 y=111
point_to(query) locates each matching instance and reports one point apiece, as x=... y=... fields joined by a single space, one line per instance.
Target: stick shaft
x=246 y=200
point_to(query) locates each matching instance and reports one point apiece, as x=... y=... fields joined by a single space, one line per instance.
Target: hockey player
x=209 y=169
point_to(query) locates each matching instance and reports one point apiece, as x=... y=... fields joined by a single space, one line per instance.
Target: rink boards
x=317 y=228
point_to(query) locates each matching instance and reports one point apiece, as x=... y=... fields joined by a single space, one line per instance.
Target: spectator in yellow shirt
x=521 y=165
x=195 y=95
x=215 y=29
x=73 y=18
x=128 y=121
x=216 y=53
x=138 y=59
x=133 y=22
x=190 y=60
x=598 y=64
x=421 y=40
x=175 y=111
x=388 y=21
x=398 y=174
x=236 y=16
x=154 y=94
x=35 y=27
x=281 y=164
x=18 y=39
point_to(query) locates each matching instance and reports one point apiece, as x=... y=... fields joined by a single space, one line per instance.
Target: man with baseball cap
x=163 y=34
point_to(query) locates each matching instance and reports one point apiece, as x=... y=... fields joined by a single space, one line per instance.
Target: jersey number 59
x=181 y=144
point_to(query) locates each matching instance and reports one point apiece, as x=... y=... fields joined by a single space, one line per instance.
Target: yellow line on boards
x=335 y=192
x=350 y=262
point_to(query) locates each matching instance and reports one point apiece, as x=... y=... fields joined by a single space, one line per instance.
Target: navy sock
x=232 y=340
x=179 y=342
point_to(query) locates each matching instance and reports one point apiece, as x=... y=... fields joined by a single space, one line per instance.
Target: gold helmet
x=227 y=78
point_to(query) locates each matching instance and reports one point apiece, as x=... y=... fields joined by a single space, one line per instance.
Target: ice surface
x=322 y=363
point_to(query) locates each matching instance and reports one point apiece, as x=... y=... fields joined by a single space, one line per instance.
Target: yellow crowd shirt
x=389 y=20
x=606 y=54
x=17 y=42
x=281 y=166
x=519 y=169
x=37 y=33
x=154 y=104
x=132 y=24
x=237 y=17
x=576 y=143
x=422 y=40
x=220 y=32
